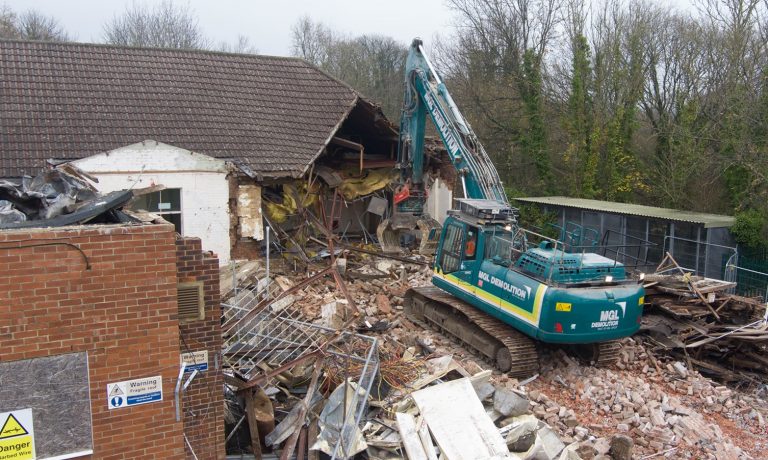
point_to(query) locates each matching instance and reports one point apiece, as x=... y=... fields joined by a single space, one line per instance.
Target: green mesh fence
x=752 y=273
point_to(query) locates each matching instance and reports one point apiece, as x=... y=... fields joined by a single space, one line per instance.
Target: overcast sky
x=267 y=23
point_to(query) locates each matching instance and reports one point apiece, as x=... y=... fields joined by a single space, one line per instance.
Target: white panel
x=204 y=192
x=439 y=201
x=148 y=156
x=458 y=421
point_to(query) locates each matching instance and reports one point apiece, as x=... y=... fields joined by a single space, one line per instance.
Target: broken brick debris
x=653 y=403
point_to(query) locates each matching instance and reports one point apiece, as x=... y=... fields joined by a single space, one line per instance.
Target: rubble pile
x=723 y=335
x=662 y=409
x=434 y=399
x=379 y=296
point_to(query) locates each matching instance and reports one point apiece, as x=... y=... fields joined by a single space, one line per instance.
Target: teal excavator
x=493 y=290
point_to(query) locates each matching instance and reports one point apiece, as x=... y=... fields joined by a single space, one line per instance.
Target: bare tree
x=311 y=40
x=30 y=25
x=242 y=45
x=166 y=25
x=372 y=64
x=495 y=65
x=674 y=86
x=34 y=25
x=8 y=23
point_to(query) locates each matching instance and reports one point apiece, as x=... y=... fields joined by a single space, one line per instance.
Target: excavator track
x=607 y=353
x=603 y=354
x=510 y=350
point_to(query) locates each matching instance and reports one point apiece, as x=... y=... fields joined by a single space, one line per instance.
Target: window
x=166 y=203
x=450 y=253
x=499 y=249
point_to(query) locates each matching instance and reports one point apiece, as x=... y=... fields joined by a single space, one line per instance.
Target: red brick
x=57 y=306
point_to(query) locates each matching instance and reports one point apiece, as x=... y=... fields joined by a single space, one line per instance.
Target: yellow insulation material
x=371 y=180
x=354 y=186
x=279 y=212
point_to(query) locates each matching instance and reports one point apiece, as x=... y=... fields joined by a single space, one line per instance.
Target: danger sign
x=17 y=435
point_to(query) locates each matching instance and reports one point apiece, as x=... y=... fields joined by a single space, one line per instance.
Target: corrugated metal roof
x=708 y=220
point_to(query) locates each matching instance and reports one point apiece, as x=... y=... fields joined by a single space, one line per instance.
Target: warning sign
x=134 y=392
x=17 y=435
x=116 y=391
x=196 y=360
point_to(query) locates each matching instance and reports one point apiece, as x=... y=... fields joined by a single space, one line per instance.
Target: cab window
x=450 y=252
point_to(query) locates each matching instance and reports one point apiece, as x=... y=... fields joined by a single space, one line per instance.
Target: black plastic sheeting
x=55 y=198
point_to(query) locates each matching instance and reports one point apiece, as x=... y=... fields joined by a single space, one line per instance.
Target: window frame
x=163 y=213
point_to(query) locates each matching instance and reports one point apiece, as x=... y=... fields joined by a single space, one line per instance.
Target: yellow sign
x=562 y=306
x=17 y=436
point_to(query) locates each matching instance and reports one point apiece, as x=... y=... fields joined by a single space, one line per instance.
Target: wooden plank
x=253 y=427
x=263 y=412
x=406 y=424
x=312 y=434
x=458 y=421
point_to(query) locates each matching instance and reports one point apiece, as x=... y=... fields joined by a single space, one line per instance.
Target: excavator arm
x=426 y=94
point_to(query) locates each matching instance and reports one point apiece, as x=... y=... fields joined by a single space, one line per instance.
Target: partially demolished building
x=206 y=135
x=126 y=340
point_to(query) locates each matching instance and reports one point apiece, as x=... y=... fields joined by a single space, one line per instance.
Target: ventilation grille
x=190 y=297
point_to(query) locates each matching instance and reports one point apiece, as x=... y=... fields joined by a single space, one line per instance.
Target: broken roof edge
x=331 y=135
x=706 y=219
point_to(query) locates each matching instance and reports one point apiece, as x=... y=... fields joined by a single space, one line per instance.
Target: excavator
x=494 y=290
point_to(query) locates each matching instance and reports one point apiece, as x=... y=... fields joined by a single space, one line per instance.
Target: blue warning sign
x=134 y=392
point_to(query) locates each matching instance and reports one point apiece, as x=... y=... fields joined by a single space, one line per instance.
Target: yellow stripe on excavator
x=497 y=302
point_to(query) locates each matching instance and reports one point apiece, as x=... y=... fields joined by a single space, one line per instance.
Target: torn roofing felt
x=56 y=198
x=272 y=115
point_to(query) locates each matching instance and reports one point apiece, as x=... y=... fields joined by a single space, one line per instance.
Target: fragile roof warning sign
x=134 y=392
x=196 y=360
x=17 y=435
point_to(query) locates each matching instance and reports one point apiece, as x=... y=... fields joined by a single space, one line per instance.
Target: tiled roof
x=71 y=100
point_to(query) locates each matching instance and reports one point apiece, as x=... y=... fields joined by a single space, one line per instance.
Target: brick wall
x=203 y=401
x=122 y=312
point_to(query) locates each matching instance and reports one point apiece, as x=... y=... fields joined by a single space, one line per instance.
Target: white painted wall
x=202 y=180
x=439 y=201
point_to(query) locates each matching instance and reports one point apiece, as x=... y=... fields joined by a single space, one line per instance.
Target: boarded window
x=57 y=390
